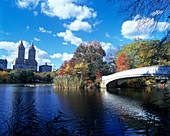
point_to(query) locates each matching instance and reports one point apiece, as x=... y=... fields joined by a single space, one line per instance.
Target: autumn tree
x=82 y=70
x=4 y=77
x=154 y=53
x=98 y=75
x=67 y=68
x=122 y=63
x=61 y=71
x=89 y=52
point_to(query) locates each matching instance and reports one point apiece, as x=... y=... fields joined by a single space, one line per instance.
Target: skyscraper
x=20 y=62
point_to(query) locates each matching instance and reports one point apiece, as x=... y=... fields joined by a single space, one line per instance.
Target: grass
x=24 y=121
x=66 y=82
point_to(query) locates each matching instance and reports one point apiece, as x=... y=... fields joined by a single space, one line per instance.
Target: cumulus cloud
x=69 y=37
x=106 y=46
x=66 y=9
x=142 y=28
x=40 y=53
x=63 y=57
x=79 y=25
x=41 y=29
x=11 y=48
x=36 y=39
x=27 y=3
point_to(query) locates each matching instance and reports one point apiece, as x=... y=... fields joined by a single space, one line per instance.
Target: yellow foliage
x=5 y=76
x=68 y=68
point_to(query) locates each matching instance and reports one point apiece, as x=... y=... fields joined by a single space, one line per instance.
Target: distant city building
x=20 y=62
x=3 y=63
x=45 y=68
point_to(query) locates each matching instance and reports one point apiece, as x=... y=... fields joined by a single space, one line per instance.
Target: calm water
x=144 y=111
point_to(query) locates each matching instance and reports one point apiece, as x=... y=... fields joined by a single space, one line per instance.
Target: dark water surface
x=144 y=111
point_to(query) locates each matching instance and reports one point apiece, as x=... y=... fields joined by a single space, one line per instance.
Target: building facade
x=20 y=62
x=45 y=68
x=3 y=63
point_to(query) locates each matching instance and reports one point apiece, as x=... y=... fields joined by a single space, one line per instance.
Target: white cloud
x=11 y=48
x=41 y=29
x=54 y=35
x=57 y=55
x=163 y=26
x=79 y=25
x=28 y=27
x=107 y=35
x=106 y=46
x=36 y=39
x=65 y=43
x=27 y=3
x=142 y=28
x=64 y=56
x=157 y=12
x=66 y=9
x=69 y=37
x=43 y=61
x=35 y=13
x=97 y=22
x=40 y=53
x=116 y=37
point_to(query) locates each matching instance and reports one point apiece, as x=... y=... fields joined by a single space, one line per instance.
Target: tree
x=67 y=69
x=89 y=52
x=82 y=70
x=98 y=75
x=61 y=71
x=157 y=10
x=154 y=53
x=142 y=53
x=4 y=77
x=102 y=66
x=122 y=63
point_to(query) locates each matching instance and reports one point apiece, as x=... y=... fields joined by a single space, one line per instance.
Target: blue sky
x=57 y=27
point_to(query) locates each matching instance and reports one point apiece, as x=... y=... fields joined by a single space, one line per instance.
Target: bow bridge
x=134 y=73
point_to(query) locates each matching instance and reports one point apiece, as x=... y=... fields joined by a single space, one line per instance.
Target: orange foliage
x=98 y=75
x=67 y=68
x=122 y=63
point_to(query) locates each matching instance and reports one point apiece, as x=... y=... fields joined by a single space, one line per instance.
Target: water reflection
x=143 y=111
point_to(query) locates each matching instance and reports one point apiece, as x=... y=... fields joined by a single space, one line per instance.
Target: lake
x=128 y=111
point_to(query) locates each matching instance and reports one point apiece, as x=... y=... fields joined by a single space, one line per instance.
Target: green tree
x=89 y=52
x=142 y=53
x=103 y=67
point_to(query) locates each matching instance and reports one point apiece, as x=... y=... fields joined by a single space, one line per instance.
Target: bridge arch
x=134 y=73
